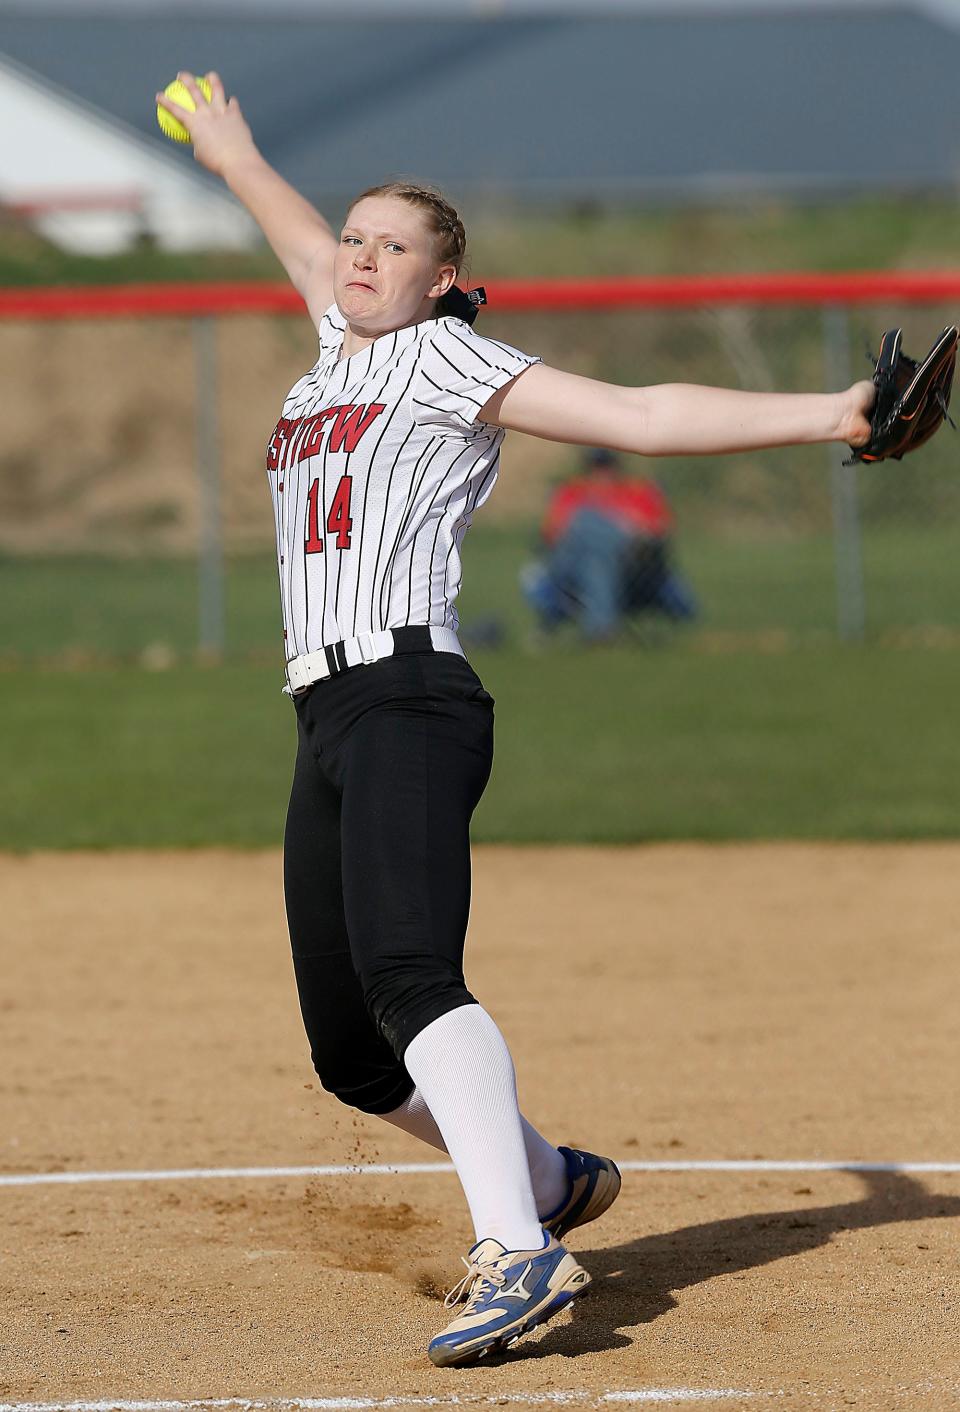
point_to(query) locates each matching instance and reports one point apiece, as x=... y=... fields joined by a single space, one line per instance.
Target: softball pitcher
x=384 y=452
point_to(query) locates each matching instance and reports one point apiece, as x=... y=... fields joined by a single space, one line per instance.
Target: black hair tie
x=462 y=304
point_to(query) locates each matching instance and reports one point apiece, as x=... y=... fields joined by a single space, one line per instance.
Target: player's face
x=386 y=274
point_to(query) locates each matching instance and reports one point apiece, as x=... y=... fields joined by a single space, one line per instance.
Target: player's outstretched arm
x=300 y=237
x=676 y=419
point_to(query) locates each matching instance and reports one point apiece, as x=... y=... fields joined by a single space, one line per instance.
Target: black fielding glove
x=912 y=398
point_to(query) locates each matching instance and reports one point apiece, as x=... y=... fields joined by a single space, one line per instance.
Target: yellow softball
x=169 y=125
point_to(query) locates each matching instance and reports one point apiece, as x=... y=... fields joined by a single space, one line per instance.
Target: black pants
x=392 y=760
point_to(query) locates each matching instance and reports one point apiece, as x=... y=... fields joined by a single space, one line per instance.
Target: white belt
x=357 y=651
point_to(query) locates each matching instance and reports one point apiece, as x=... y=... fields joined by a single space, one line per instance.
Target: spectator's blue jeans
x=590 y=574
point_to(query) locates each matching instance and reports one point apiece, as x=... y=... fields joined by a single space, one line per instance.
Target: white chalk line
x=573 y=1398
x=407 y=1169
x=674 y=1395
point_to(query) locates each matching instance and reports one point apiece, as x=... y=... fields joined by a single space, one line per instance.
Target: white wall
x=56 y=148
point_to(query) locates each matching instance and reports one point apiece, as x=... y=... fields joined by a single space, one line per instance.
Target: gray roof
x=547 y=105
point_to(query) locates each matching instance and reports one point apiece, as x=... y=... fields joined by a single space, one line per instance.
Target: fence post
x=210 y=549
x=848 y=559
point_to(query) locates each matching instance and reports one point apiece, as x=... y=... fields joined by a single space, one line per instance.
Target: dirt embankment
x=98 y=452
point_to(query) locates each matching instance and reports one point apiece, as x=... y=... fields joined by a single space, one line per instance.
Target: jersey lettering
x=313 y=434
x=399 y=422
x=275 y=447
x=338 y=520
x=352 y=423
x=314 y=542
x=299 y=438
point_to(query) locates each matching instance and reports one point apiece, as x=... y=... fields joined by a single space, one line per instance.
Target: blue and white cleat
x=508 y=1293
x=594 y=1186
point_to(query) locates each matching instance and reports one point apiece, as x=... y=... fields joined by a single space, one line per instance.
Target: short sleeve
x=458 y=372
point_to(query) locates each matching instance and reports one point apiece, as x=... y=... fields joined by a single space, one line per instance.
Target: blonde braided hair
x=441 y=219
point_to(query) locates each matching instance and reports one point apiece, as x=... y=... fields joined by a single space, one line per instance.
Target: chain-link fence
x=135 y=521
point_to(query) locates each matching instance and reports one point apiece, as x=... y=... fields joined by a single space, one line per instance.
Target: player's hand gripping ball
x=178 y=93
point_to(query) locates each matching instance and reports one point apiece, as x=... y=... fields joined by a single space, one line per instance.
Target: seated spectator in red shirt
x=607 y=537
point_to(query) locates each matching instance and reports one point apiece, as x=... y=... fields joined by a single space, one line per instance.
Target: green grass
x=126 y=758
x=821 y=743
x=706 y=737
x=769 y=583
x=866 y=233
x=90 y=609
x=619 y=745
x=872 y=232
x=755 y=723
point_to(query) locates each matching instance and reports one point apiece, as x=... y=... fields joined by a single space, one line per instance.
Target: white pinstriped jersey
x=376 y=469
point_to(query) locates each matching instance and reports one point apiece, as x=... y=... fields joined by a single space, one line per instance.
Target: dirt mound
x=666 y=1005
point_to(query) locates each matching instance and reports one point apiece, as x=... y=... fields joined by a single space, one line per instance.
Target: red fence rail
x=832 y=292
x=505 y=295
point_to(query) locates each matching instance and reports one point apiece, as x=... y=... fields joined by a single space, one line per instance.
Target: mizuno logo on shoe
x=518 y=1288
x=545 y=1283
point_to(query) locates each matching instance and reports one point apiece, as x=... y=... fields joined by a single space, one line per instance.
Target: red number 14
x=338 y=520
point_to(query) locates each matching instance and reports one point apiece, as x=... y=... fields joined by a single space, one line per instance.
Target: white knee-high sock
x=462 y=1067
x=548 y=1171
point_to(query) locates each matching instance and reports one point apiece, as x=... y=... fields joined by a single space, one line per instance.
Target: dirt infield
x=663 y=1004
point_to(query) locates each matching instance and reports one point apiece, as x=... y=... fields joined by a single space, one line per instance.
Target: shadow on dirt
x=635 y=1282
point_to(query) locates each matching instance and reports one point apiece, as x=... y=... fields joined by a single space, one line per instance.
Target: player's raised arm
x=677 y=419
x=300 y=237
